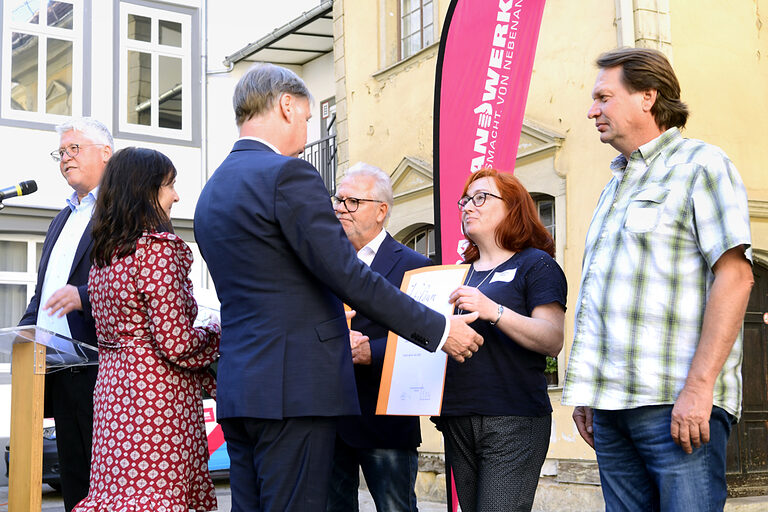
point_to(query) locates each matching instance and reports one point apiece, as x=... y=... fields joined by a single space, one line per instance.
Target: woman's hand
x=470 y=299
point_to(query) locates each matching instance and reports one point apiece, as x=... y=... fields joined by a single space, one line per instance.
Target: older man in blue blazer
x=281 y=262
x=60 y=302
x=384 y=447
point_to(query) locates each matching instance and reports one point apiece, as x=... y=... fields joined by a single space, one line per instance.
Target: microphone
x=22 y=189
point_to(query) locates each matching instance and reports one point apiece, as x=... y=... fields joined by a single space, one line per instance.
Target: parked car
x=50 y=456
x=218 y=464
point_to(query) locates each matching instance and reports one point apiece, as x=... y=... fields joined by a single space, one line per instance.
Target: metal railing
x=322 y=154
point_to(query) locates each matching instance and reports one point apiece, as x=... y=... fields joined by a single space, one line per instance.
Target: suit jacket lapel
x=387 y=256
x=85 y=243
x=54 y=232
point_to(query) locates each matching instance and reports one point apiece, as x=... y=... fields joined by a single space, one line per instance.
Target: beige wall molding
x=758 y=209
x=410 y=177
x=537 y=141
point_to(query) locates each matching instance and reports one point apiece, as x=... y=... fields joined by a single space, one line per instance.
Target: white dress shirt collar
x=88 y=201
x=368 y=252
x=268 y=144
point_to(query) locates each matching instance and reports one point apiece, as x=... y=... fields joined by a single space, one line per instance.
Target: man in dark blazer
x=384 y=447
x=61 y=304
x=280 y=262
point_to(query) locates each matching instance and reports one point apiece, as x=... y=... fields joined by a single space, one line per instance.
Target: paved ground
x=52 y=500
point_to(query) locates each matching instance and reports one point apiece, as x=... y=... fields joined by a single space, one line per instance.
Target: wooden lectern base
x=26 y=466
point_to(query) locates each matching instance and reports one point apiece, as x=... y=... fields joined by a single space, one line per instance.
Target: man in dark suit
x=85 y=145
x=280 y=262
x=383 y=446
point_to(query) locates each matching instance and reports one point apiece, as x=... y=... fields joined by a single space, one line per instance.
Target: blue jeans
x=390 y=474
x=641 y=467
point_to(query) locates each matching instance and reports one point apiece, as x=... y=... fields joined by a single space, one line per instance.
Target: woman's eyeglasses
x=478 y=199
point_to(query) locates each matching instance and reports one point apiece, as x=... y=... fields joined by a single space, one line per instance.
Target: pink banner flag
x=483 y=73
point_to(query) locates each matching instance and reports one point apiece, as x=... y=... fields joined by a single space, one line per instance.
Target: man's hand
x=690 y=418
x=582 y=416
x=64 y=300
x=462 y=340
x=361 y=347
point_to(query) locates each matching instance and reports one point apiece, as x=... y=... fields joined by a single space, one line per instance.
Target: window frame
x=400 y=40
x=79 y=35
x=428 y=230
x=27 y=278
x=538 y=199
x=189 y=20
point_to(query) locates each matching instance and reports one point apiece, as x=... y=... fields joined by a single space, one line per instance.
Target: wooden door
x=747 y=462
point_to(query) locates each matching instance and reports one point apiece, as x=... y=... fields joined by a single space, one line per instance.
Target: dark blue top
x=504 y=378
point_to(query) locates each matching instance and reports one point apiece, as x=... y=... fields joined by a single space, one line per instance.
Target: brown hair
x=644 y=69
x=521 y=228
x=128 y=202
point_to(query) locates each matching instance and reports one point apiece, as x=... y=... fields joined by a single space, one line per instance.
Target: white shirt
x=268 y=144
x=368 y=252
x=61 y=259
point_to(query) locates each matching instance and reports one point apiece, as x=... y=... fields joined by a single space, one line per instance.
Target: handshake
x=462 y=340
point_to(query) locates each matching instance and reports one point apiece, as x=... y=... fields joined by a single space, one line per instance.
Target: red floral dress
x=150 y=452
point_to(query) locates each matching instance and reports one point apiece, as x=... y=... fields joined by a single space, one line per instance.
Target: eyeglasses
x=351 y=203
x=72 y=150
x=477 y=199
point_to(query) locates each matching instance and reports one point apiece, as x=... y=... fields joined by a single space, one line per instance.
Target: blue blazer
x=392 y=260
x=280 y=261
x=81 y=323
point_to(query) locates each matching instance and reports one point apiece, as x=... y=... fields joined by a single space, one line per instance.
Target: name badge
x=505 y=277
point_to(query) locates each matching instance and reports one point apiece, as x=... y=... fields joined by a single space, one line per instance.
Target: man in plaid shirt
x=655 y=367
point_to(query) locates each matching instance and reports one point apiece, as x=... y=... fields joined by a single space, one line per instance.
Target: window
x=545 y=205
x=155 y=72
x=422 y=241
x=417 y=26
x=42 y=60
x=19 y=259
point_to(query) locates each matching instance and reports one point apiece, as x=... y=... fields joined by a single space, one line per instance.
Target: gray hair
x=95 y=130
x=382 y=185
x=262 y=85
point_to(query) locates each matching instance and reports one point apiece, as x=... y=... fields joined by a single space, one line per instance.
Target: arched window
x=545 y=205
x=422 y=240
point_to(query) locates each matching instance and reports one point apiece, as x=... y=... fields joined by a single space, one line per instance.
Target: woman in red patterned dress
x=150 y=450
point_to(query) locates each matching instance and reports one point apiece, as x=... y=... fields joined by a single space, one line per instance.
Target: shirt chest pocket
x=645 y=209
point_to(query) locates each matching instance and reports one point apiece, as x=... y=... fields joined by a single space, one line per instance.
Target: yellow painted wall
x=720 y=53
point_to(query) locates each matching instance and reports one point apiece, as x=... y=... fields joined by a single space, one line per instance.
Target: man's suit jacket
x=81 y=323
x=392 y=260
x=280 y=260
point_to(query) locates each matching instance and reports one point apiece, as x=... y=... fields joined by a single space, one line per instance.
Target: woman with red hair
x=496 y=415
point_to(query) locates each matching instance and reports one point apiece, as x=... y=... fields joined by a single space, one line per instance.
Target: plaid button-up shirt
x=660 y=225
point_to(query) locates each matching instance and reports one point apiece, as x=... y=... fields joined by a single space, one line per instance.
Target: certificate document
x=412 y=378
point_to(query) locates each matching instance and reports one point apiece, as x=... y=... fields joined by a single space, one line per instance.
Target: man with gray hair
x=281 y=263
x=60 y=302
x=384 y=447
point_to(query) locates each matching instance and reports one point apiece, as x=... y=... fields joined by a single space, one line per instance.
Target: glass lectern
x=35 y=351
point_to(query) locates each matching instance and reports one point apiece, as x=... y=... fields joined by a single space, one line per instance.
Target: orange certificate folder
x=412 y=378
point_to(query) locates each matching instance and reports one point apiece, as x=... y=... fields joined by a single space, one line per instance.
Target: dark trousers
x=389 y=472
x=70 y=392
x=495 y=460
x=279 y=465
